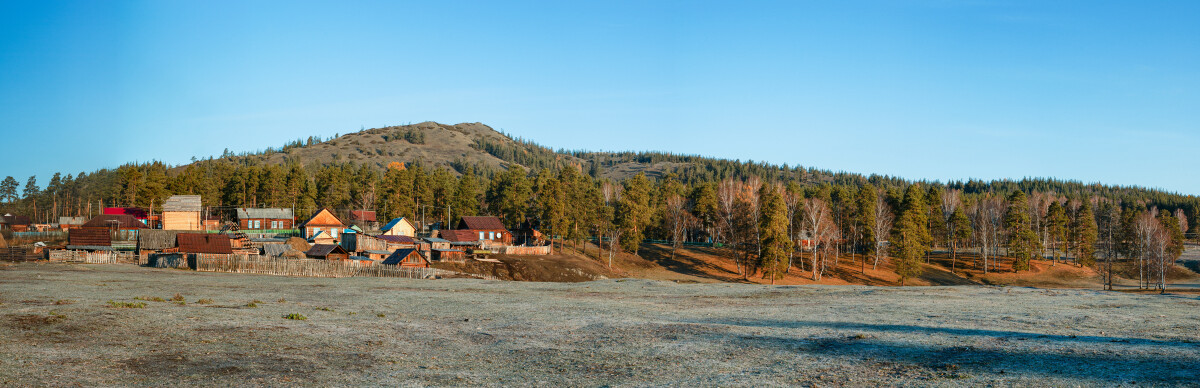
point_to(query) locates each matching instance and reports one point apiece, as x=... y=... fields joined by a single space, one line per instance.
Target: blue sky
x=933 y=89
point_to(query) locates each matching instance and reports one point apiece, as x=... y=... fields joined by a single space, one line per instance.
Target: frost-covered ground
x=373 y=331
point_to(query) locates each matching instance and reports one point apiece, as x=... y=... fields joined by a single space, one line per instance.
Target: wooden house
x=266 y=218
x=14 y=223
x=437 y=243
x=157 y=240
x=182 y=212
x=399 y=227
x=204 y=243
x=376 y=255
x=135 y=212
x=487 y=229
x=327 y=252
x=65 y=223
x=407 y=258
x=364 y=218
x=323 y=227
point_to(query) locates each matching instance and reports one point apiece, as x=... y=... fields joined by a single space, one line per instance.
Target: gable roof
x=14 y=220
x=183 y=203
x=329 y=214
x=276 y=250
x=362 y=215
x=399 y=255
x=397 y=239
x=89 y=237
x=204 y=243
x=459 y=235
x=322 y=250
x=264 y=213
x=481 y=222
x=136 y=212
x=396 y=221
x=120 y=221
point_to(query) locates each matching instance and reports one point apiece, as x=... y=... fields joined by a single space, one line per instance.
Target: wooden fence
x=19 y=254
x=98 y=257
x=518 y=250
x=264 y=265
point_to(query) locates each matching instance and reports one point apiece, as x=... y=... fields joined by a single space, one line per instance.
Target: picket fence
x=98 y=257
x=265 y=265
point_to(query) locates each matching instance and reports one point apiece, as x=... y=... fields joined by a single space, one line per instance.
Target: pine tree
x=910 y=238
x=8 y=189
x=960 y=232
x=775 y=240
x=1022 y=241
x=634 y=212
x=1085 y=235
x=1057 y=225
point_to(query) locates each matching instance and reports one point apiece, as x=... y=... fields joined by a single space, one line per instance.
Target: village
x=186 y=234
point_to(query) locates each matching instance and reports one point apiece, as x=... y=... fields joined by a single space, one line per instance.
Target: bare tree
x=612 y=195
x=792 y=201
x=821 y=230
x=882 y=225
x=727 y=209
x=680 y=219
x=1183 y=221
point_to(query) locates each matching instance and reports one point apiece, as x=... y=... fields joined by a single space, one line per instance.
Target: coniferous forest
x=763 y=213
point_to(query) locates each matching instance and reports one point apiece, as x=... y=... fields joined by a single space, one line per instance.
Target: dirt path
x=59 y=329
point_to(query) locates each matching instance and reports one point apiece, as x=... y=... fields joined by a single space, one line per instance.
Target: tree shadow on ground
x=685 y=263
x=1076 y=357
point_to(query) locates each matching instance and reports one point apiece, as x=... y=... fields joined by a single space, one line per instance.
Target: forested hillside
x=446 y=171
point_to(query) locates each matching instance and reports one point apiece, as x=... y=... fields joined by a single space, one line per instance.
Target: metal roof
x=481 y=222
x=244 y=213
x=399 y=255
x=362 y=215
x=276 y=250
x=183 y=203
x=71 y=220
x=395 y=221
x=89 y=237
x=204 y=243
x=322 y=250
x=155 y=239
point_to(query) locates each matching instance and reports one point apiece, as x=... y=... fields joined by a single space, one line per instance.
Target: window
x=499 y=235
x=491 y=235
x=257 y=224
x=274 y=224
x=333 y=232
x=481 y=235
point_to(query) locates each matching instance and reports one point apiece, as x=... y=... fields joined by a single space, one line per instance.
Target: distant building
x=322 y=228
x=266 y=218
x=407 y=258
x=399 y=227
x=14 y=223
x=182 y=212
x=114 y=222
x=487 y=229
x=364 y=218
x=327 y=252
x=91 y=239
x=70 y=222
x=214 y=243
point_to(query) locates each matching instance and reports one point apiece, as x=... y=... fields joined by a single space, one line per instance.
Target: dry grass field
x=118 y=325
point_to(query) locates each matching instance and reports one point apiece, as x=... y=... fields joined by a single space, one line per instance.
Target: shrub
x=252 y=305
x=204 y=301
x=323 y=309
x=63 y=301
x=177 y=297
x=281 y=300
x=295 y=316
x=126 y=305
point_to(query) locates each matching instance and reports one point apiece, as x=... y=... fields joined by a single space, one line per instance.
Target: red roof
x=362 y=215
x=459 y=235
x=118 y=221
x=136 y=212
x=204 y=243
x=481 y=223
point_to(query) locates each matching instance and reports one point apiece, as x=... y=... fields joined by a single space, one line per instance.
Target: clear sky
x=932 y=89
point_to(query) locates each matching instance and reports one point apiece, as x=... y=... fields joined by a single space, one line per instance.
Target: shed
x=437 y=243
x=182 y=212
x=399 y=227
x=157 y=239
x=450 y=255
x=407 y=258
x=364 y=217
x=265 y=218
x=327 y=252
x=204 y=243
x=68 y=222
x=376 y=255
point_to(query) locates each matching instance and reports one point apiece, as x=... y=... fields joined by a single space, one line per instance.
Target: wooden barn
x=158 y=240
x=322 y=228
x=358 y=242
x=204 y=243
x=407 y=258
x=265 y=218
x=437 y=243
x=399 y=227
x=182 y=212
x=327 y=252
